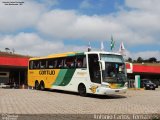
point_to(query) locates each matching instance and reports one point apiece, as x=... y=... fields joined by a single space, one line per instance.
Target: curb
x=135 y=88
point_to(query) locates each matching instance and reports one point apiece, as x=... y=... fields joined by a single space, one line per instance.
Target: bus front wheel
x=82 y=90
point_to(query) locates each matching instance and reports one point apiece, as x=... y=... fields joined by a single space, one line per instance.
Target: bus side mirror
x=102 y=64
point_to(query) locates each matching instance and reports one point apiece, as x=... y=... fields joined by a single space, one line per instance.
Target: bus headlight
x=106 y=86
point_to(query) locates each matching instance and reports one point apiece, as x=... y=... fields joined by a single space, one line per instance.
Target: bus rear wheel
x=82 y=90
x=42 y=86
x=36 y=85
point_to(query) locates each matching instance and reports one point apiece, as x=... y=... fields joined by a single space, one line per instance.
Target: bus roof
x=102 y=52
x=73 y=54
x=59 y=55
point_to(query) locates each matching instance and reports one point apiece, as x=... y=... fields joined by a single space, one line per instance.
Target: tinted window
x=94 y=68
x=43 y=64
x=81 y=61
x=52 y=63
x=36 y=64
x=69 y=62
x=59 y=63
x=30 y=64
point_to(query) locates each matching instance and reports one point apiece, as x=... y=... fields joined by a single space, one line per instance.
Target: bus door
x=94 y=68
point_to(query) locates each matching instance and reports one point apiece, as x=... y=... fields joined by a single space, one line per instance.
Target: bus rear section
x=62 y=72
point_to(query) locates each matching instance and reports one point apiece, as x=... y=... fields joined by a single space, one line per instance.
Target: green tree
x=139 y=60
x=129 y=59
x=152 y=60
x=7 y=49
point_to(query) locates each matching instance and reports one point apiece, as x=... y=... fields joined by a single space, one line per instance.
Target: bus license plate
x=116 y=90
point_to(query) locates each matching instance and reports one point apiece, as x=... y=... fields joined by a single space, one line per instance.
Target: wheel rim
x=36 y=86
x=42 y=86
x=82 y=90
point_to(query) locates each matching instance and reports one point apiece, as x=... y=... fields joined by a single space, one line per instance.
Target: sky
x=43 y=27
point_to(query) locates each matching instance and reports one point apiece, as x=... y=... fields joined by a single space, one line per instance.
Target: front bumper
x=109 y=91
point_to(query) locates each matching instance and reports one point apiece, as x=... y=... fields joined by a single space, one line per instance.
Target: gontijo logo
x=46 y=72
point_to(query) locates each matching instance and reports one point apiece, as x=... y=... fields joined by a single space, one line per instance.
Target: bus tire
x=82 y=90
x=36 y=85
x=42 y=86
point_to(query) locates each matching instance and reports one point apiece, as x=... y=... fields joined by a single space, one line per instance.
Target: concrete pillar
x=137 y=81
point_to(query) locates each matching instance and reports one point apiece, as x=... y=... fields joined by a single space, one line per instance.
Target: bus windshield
x=115 y=71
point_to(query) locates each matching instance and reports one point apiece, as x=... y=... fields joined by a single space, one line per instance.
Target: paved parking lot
x=25 y=101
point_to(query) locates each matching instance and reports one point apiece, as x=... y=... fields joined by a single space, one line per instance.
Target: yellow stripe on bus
x=49 y=76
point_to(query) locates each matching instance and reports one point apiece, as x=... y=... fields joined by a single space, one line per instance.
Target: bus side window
x=55 y=63
x=66 y=65
x=36 y=64
x=50 y=65
x=81 y=62
x=73 y=61
x=69 y=62
x=30 y=64
x=84 y=62
x=43 y=64
x=60 y=63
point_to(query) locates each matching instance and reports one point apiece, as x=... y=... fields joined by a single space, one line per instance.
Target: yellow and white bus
x=83 y=72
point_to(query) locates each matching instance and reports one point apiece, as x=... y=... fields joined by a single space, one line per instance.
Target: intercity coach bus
x=91 y=72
